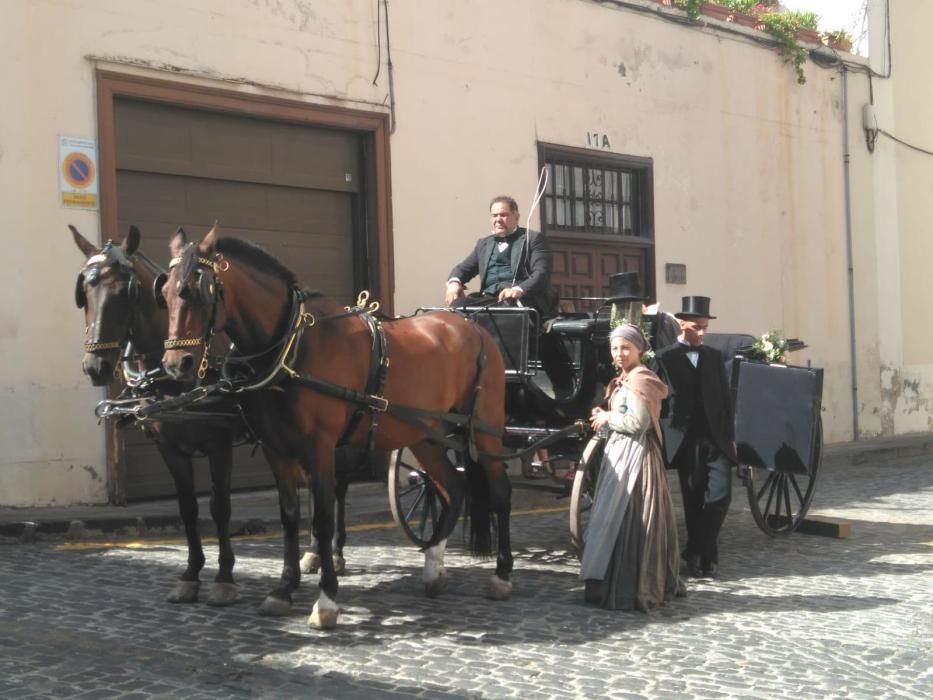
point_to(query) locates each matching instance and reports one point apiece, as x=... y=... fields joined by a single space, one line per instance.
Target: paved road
x=802 y=617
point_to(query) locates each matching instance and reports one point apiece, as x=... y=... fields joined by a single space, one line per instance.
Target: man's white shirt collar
x=693 y=354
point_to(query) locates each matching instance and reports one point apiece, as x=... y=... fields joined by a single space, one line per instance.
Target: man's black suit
x=699 y=429
x=530 y=255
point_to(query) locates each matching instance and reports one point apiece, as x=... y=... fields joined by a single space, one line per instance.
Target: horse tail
x=479 y=496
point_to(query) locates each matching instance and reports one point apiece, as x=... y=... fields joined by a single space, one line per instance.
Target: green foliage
x=806 y=20
x=838 y=35
x=784 y=27
x=691 y=7
x=746 y=6
x=769 y=348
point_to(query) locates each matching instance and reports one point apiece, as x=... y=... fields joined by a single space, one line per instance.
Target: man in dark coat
x=514 y=266
x=511 y=263
x=699 y=433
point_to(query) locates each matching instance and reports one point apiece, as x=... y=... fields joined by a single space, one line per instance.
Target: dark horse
x=441 y=365
x=115 y=289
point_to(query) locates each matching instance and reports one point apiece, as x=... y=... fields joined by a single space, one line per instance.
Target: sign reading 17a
x=596 y=140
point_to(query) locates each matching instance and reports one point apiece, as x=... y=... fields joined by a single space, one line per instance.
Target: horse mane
x=245 y=252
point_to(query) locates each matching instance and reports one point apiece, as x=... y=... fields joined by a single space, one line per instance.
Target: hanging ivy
x=784 y=27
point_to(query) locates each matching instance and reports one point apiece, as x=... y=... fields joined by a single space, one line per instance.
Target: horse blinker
x=80 y=296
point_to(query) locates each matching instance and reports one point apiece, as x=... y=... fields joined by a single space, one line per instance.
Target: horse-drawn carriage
x=777 y=408
x=465 y=397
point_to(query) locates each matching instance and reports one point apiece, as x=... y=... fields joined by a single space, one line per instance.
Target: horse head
x=190 y=291
x=108 y=290
x=221 y=285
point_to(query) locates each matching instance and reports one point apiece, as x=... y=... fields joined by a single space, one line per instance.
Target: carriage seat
x=573 y=326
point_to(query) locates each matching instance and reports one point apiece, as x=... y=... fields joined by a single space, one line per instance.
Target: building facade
x=362 y=141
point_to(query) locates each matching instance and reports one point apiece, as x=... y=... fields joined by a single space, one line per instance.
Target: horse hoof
x=499 y=589
x=185 y=592
x=275 y=607
x=310 y=563
x=322 y=619
x=434 y=588
x=340 y=565
x=223 y=594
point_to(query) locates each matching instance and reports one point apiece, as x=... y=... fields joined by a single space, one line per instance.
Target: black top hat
x=694 y=307
x=625 y=286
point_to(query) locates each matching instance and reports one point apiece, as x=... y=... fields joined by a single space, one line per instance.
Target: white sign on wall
x=77 y=172
x=594 y=139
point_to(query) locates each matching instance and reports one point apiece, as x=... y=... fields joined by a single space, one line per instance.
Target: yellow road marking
x=144 y=544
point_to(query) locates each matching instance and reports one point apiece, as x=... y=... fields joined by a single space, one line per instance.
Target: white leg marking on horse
x=324 y=614
x=435 y=574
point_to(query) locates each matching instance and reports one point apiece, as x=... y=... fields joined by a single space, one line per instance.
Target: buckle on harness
x=379 y=404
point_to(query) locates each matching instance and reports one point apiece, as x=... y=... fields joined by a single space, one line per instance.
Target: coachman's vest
x=499 y=272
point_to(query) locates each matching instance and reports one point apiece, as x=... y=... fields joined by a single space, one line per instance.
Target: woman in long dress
x=631 y=560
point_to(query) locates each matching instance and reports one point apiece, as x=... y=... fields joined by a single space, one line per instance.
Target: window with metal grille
x=591 y=197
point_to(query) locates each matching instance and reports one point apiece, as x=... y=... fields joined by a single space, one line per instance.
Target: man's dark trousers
x=706 y=487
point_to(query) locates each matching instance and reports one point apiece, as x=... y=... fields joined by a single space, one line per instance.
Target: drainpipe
x=849 y=264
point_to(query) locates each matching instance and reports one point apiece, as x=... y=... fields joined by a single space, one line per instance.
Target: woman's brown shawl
x=651 y=390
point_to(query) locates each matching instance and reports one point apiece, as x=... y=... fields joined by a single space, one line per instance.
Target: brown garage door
x=290 y=188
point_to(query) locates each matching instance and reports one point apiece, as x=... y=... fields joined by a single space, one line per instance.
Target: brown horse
x=440 y=364
x=115 y=290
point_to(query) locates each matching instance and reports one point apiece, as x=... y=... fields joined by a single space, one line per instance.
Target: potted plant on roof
x=716 y=10
x=744 y=12
x=839 y=40
x=808 y=23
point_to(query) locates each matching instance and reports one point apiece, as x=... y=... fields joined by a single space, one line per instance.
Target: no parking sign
x=77 y=171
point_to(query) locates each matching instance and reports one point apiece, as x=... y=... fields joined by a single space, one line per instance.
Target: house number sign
x=594 y=139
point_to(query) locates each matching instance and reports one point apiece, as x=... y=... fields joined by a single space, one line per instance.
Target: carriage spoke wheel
x=779 y=501
x=581 y=502
x=415 y=502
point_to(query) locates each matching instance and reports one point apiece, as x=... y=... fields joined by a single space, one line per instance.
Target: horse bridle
x=214 y=289
x=122 y=260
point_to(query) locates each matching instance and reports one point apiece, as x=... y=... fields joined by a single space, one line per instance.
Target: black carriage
x=778 y=426
x=778 y=434
x=538 y=414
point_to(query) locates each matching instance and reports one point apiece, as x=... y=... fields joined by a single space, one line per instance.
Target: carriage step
x=825 y=527
x=814 y=525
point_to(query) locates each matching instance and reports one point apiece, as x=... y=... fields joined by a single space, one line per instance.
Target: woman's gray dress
x=631 y=559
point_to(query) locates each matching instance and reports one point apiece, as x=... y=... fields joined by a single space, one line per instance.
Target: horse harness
x=370 y=400
x=456 y=425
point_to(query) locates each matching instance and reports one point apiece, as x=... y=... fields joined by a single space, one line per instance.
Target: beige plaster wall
x=748 y=165
x=892 y=218
x=51 y=448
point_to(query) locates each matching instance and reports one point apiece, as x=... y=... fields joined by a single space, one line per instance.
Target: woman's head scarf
x=632 y=334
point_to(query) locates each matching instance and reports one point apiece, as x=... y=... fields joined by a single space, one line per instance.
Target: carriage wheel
x=415 y=502
x=779 y=501
x=581 y=502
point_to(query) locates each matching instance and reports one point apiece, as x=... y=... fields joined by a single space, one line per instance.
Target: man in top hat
x=699 y=433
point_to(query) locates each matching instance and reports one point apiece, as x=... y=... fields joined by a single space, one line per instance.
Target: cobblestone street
x=799 y=617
